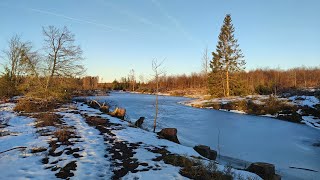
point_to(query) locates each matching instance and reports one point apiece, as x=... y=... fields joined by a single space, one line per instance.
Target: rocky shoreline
x=83 y=142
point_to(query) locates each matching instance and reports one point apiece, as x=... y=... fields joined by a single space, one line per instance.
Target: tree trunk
x=227 y=83
x=295 y=79
x=156 y=116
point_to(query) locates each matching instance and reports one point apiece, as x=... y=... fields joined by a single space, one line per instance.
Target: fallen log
x=19 y=147
x=303 y=169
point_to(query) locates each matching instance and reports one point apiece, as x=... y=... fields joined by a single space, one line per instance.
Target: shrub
x=213 y=105
x=263 y=90
x=178 y=93
x=196 y=169
x=7 y=87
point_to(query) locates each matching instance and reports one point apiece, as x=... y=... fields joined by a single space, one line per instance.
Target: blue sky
x=119 y=35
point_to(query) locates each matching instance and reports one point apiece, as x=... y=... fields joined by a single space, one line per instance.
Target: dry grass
x=63 y=135
x=196 y=169
x=35 y=105
x=47 y=119
x=279 y=108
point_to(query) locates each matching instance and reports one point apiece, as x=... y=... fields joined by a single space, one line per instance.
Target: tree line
x=258 y=81
x=224 y=75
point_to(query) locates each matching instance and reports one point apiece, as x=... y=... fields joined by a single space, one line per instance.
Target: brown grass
x=35 y=105
x=196 y=169
x=47 y=119
x=272 y=106
x=63 y=135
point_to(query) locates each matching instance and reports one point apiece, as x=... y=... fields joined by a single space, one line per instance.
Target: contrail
x=174 y=21
x=105 y=27
x=135 y=16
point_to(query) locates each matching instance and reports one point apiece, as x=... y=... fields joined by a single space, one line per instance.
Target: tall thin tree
x=228 y=57
x=158 y=72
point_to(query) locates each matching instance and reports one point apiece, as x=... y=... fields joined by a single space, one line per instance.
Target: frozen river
x=246 y=137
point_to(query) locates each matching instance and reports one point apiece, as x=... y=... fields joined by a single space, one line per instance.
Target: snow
x=310 y=121
x=149 y=139
x=166 y=172
x=136 y=135
x=93 y=164
x=241 y=136
x=246 y=137
x=305 y=100
x=21 y=164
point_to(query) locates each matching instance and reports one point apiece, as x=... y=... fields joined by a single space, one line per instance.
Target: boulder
x=264 y=170
x=139 y=122
x=104 y=109
x=206 y=152
x=119 y=113
x=169 y=134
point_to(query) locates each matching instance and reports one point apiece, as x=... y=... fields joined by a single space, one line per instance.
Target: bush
x=236 y=105
x=178 y=93
x=35 y=105
x=216 y=106
x=196 y=169
x=7 y=87
x=263 y=90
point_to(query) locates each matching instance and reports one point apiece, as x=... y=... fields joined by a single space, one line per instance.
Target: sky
x=119 y=35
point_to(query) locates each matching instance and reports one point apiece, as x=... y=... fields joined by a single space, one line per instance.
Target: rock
x=169 y=134
x=139 y=122
x=119 y=113
x=38 y=149
x=104 y=109
x=264 y=170
x=206 y=152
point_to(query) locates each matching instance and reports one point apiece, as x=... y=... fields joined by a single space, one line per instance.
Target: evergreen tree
x=227 y=59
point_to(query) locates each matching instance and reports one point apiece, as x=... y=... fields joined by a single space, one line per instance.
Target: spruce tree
x=227 y=59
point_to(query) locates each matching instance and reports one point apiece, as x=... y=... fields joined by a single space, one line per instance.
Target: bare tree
x=158 y=71
x=132 y=79
x=21 y=61
x=205 y=62
x=64 y=58
x=205 y=66
x=17 y=56
x=141 y=78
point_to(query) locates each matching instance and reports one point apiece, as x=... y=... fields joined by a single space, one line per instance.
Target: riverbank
x=239 y=136
x=296 y=109
x=76 y=141
x=303 y=107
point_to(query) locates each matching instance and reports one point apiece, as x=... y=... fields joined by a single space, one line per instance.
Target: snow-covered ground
x=304 y=100
x=20 y=163
x=95 y=158
x=240 y=136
